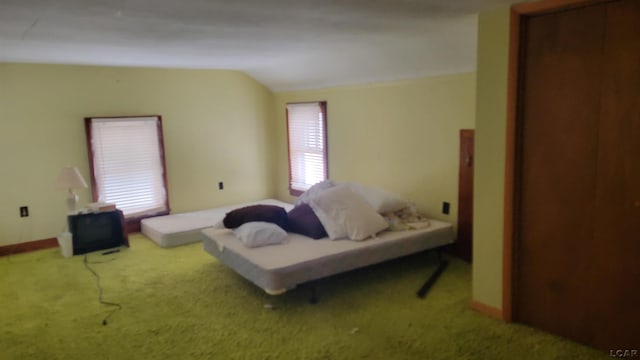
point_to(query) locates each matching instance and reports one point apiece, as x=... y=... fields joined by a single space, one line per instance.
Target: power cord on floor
x=100 y=299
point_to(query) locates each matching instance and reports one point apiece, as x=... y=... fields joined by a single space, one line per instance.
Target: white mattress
x=183 y=228
x=277 y=268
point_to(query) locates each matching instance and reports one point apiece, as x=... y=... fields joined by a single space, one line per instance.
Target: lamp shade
x=70 y=178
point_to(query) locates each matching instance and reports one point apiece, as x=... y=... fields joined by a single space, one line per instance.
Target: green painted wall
x=224 y=126
x=493 y=45
x=216 y=128
x=400 y=136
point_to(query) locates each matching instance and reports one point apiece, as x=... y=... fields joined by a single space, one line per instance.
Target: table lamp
x=70 y=179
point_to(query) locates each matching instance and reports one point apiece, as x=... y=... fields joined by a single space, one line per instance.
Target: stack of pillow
x=338 y=210
x=258 y=225
x=349 y=210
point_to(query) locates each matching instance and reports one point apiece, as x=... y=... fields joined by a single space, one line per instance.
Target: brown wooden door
x=464 y=242
x=617 y=202
x=576 y=223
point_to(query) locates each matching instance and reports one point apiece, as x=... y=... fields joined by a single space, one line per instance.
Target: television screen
x=97 y=231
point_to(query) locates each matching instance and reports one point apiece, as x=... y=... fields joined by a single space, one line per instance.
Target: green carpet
x=181 y=303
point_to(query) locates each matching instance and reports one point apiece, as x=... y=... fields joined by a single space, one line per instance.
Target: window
x=307 y=139
x=126 y=156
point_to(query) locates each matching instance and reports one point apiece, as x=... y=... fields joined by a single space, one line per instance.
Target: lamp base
x=72 y=202
x=65 y=243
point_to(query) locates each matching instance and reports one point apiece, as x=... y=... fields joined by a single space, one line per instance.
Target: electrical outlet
x=445 y=208
x=220 y=185
x=24 y=211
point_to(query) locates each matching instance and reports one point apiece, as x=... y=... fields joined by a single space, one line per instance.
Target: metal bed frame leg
x=442 y=264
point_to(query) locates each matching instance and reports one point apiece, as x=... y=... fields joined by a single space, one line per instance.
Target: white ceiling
x=284 y=44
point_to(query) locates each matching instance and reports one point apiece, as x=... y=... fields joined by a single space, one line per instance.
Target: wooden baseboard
x=486 y=309
x=28 y=246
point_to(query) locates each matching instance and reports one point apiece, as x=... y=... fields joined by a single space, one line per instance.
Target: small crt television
x=97 y=231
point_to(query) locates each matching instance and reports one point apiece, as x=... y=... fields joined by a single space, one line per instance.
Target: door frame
x=513 y=135
x=465 y=186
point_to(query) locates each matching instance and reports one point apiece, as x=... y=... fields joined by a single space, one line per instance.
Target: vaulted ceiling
x=284 y=44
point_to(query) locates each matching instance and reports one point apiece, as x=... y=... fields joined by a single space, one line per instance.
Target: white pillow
x=313 y=191
x=258 y=233
x=380 y=200
x=345 y=214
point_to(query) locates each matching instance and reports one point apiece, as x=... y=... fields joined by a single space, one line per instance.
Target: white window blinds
x=128 y=167
x=306 y=126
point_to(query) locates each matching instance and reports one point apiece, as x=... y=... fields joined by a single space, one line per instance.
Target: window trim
x=132 y=222
x=325 y=155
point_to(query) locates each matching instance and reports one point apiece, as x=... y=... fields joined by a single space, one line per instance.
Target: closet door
x=616 y=269
x=556 y=172
x=577 y=220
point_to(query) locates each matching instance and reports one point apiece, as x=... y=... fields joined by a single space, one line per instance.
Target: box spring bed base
x=302 y=261
x=421 y=293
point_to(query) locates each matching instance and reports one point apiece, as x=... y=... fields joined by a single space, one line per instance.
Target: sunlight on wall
x=216 y=128
x=401 y=136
